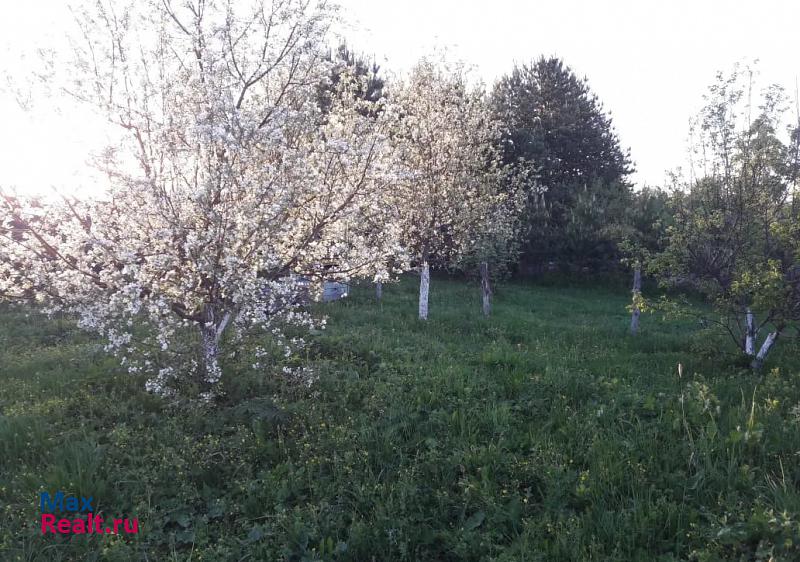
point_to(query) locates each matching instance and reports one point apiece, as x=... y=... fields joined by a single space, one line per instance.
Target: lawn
x=543 y=433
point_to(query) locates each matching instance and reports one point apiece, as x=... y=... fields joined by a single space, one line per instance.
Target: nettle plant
x=228 y=189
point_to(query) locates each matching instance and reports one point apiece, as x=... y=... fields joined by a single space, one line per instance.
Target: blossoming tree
x=450 y=186
x=492 y=241
x=226 y=184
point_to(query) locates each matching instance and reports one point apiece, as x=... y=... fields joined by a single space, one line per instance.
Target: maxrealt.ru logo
x=78 y=525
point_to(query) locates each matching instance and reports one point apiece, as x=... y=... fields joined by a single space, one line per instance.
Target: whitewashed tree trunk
x=211 y=369
x=210 y=335
x=637 y=292
x=750 y=333
x=424 y=288
x=758 y=362
x=378 y=291
x=486 y=289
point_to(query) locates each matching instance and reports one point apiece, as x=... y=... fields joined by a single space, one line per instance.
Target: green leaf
x=475 y=521
x=255 y=534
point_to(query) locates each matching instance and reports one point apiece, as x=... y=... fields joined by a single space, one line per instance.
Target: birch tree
x=225 y=184
x=445 y=139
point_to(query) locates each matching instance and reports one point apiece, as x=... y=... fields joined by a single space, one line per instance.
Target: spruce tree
x=552 y=118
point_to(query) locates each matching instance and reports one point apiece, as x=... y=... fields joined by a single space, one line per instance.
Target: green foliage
x=554 y=120
x=495 y=238
x=734 y=236
x=370 y=84
x=642 y=232
x=638 y=302
x=537 y=434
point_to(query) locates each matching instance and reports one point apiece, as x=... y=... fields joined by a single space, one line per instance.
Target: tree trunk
x=424 y=288
x=210 y=344
x=378 y=290
x=486 y=289
x=210 y=335
x=750 y=334
x=758 y=362
x=637 y=293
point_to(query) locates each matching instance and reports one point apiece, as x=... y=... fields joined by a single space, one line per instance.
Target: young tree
x=446 y=142
x=551 y=117
x=639 y=236
x=493 y=239
x=736 y=235
x=227 y=182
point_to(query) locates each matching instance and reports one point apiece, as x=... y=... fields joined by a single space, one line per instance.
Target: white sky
x=649 y=61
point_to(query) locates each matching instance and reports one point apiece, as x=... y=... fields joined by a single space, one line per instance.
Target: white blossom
x=226 y=186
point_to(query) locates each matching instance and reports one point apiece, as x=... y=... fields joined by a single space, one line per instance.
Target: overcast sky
x=649 y=62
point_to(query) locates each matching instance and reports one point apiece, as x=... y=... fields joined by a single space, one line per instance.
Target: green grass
x=543 y=433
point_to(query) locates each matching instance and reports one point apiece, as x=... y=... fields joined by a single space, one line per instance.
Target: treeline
x=728 y=228
x=579 y=201
x=250 y=160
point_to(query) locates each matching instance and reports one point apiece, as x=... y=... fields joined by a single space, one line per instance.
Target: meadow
x=543 y=433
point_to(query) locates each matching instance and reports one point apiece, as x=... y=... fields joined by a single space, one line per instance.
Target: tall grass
x=542 y=433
